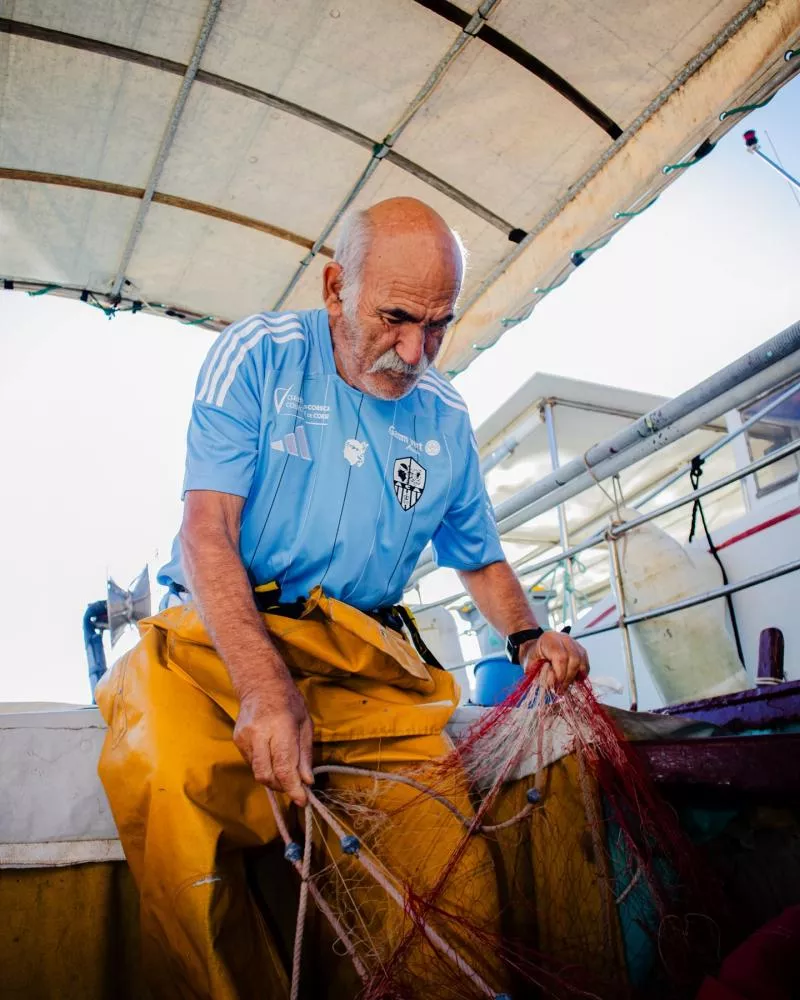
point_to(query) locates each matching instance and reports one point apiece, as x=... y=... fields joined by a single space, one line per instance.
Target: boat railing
x=782 y=365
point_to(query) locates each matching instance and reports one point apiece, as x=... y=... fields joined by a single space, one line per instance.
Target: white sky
x=93 y=412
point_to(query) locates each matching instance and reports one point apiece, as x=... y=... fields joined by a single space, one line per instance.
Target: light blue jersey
x=342 y=490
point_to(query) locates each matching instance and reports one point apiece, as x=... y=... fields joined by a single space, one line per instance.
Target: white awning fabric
x=195 y=157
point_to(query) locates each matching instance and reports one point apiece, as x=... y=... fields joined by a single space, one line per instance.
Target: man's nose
x=411 y=343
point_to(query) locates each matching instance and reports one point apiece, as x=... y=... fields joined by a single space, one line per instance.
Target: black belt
x=267 y=597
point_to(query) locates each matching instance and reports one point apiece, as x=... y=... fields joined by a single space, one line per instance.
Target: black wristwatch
x=518 y=639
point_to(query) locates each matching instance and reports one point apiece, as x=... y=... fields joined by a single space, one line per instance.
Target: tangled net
x=535 y=859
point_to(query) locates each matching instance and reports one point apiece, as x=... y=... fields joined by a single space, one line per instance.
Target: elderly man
x=324 y=453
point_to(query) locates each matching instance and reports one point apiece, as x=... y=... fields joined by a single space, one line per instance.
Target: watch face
x=512 y=646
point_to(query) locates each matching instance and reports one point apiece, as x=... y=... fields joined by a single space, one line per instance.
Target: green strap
x=638 y=211
x=550 y=288
x=743 y=108
x=602 y=242
x=670 y=167
x=109 y=311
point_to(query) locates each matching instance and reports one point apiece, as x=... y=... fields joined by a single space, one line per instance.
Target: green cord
x=109 y=311
x=743 y=108
x=561 y=564
x=633 y=214
x=678 y=166
x=550 y=288
x=593 y=246
x=577 y=567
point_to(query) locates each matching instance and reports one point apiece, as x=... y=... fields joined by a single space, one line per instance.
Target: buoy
x=690 y=654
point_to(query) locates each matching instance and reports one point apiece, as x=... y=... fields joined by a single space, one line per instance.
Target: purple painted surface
x=770 y=656
x=765 y=766
x=752 y=709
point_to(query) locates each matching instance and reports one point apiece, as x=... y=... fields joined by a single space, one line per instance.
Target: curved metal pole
x=568 y=603
x=692 y=602
x=166 y=143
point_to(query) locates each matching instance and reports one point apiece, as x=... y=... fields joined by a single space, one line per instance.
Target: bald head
x=412 y=219
x=391 y=293
x=396 y=230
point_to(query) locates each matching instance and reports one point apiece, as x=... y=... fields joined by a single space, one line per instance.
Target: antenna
x=751 y=142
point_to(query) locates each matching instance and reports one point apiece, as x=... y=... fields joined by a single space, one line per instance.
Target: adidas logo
x=295 y=443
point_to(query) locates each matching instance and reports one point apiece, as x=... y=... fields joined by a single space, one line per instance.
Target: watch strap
x=516 y=640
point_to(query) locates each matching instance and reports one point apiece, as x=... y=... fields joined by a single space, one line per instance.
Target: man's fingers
x=263 y=772
x=307 y=751
x=546 y=677
x=558 y=664
x=565 y=660
x=286 y=761
x=573 y=666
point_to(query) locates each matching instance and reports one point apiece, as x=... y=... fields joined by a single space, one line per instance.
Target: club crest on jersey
x=409 y=481
x=355 y=451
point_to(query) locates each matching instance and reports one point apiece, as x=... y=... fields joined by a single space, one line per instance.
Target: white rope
x=376 y=871
x=629 y=887
x=305 y=873
x=316 y=895
x=591 y=472
x=402 y=779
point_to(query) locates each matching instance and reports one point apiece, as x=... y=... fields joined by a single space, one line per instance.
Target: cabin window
x=776 y=429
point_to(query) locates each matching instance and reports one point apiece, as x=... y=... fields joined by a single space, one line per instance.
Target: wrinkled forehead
x=425 y=261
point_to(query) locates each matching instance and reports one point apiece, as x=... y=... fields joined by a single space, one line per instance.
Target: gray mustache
x=390 y=361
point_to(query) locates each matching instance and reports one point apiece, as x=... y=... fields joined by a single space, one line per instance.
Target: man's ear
x=332 y=288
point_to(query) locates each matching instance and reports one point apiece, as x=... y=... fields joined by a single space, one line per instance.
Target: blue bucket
x=495 y=679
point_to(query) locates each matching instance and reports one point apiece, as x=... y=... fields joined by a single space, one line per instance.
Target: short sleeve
x=224 y=431
x=467 y=538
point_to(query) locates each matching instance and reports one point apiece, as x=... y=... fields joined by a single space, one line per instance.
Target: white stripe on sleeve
x=427 y=387
x=434 y=378
x=224 y=340
x=281 y=324
x=295 y=333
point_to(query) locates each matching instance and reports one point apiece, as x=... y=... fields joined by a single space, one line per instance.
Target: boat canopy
x=195 y=158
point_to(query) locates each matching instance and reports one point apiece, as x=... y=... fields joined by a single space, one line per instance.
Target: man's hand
x=273 y=731
x=564 y=659
x=274 y=734
x=498 y=594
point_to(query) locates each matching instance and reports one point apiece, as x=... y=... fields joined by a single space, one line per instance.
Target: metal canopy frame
x=472 y=26
x=54 y=37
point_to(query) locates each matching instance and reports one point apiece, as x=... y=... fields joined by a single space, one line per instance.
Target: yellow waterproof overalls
x=186 y=803
x=187 y=806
